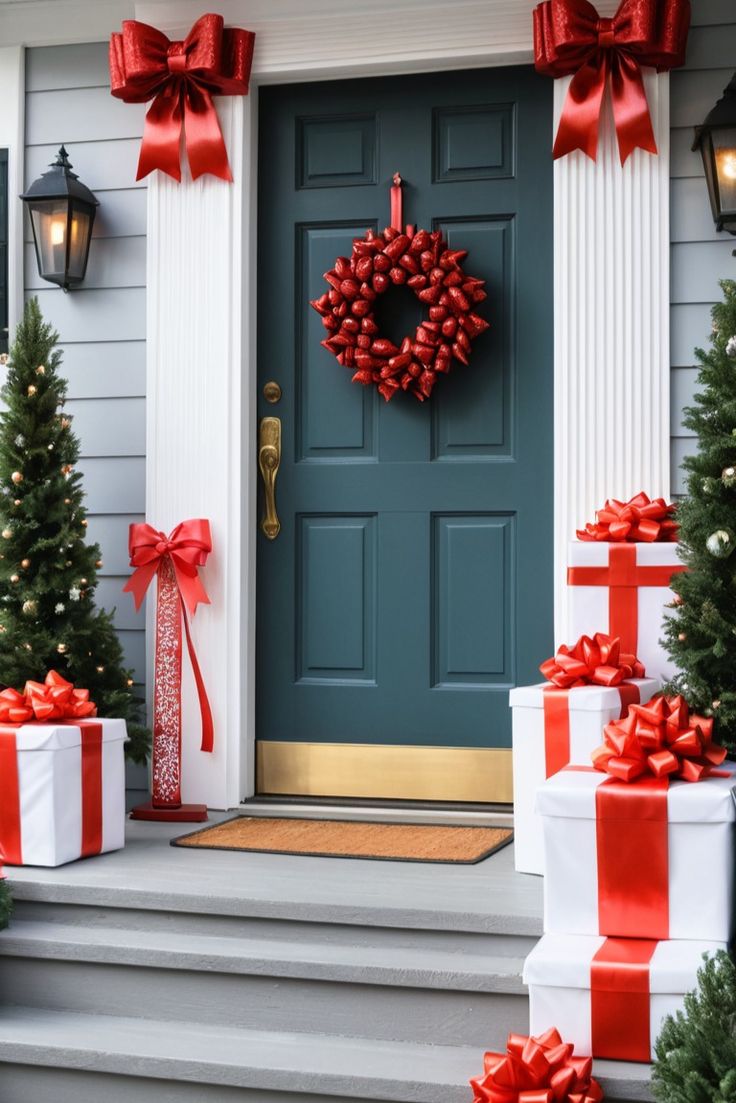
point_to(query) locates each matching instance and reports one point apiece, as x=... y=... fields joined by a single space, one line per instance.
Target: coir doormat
x=397 y=842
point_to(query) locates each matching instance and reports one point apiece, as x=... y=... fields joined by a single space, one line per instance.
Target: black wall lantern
x=716 y=140
x=62 y=211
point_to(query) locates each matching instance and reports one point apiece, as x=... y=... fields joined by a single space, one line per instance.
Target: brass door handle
x=269 y=460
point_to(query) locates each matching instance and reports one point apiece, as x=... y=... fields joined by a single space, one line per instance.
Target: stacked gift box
x=622 y=800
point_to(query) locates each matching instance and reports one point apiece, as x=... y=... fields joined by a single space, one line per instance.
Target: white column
x=611 y=227
x=199 y=431
x=12 y=117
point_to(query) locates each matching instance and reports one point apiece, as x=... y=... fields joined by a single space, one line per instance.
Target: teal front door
x=410 y=584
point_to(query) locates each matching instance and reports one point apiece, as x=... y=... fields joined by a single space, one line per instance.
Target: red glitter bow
x=570 y=37
x=181 y=78
x=536 y=1070
x=596 y=661
x=640 y=520
x=52 y=699
x=661 y=738
x=188 y=546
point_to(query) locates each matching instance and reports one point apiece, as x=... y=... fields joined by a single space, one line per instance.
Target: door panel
x=410 y=585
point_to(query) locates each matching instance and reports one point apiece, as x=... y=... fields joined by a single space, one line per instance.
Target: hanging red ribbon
x=571 y=38
x=536 y=1070
x=181 y=78
x=640 y=520
x=619 y=999
x=623 y=577
x=175 y=560
x=596 y=661
x=11 y=847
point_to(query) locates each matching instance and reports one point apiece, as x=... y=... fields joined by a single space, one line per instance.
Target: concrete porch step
x=265 y=1066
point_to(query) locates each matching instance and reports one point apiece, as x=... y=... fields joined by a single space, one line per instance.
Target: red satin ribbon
x=570 y=37
x=11 y=848
x=619 y=999
x=186 y=549
x=622 y=576
x=536 y=1070
x=640 y=520
x=596 y=661
x=181 y=78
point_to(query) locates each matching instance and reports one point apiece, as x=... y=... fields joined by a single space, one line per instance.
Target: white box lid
x=59 y=736
x=584 y=698
x=594 y=553
x=571 y=794
x=563 y=961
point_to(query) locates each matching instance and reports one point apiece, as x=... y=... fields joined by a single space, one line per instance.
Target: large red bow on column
x=187 y=548
x=661 y=738
x=569 y=37
x=640 y=520
x=181 y=77
x=536 y=1070
x=596 y=661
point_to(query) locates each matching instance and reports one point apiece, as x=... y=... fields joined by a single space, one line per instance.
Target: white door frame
x=611 y=289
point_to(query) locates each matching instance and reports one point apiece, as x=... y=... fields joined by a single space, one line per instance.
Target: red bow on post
x=536 y=1070
x=186 y=549
x=596 y=661
x=181 y=78
x=570 y=37
x=640 y=520
x=662 y=739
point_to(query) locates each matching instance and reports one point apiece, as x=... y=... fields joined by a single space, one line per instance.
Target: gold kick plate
x=269 y=460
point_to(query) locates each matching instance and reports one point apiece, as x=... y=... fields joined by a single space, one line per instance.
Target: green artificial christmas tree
x=6 y=903
x=48 y=573
x=701 y=631
x=696 y=1051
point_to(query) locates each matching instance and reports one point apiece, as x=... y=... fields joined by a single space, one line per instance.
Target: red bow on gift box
x=181 y=78
x=661 y=739
x=570 y=37
x=52 y=699
x=596 y=661
x=536 y=1070
x=640 y=520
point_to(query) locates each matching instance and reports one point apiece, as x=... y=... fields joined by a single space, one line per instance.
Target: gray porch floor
x=488 y=897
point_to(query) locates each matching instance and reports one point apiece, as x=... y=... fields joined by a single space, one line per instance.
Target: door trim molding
x=202 y=318
x=361 y=770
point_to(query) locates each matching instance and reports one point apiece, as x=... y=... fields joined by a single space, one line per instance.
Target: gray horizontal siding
x=699 y=255
x=102 y=325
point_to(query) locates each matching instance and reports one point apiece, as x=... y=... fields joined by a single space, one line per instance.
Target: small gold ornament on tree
x=61 y=648
x=41 y=369
x=25 y=564
x=16 y=502
x=7 y=533
x=30 y=607
x=728 y=477
x=682 y=636
x=32 y=388
x=17 y=477
x=15 y=578
x=720 y=543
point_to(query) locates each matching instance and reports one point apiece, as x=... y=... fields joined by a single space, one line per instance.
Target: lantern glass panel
x=50 y=231
x=80 y=231
x=724 y=152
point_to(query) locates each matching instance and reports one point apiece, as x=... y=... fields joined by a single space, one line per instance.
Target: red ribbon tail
x=162 y=135
x=205 y=144
x=578 y=127
x=208 y=727
x=630 y=107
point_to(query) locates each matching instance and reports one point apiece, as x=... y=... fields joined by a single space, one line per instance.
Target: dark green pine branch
x=48 y=572
x=6 y=902
x=700 y=632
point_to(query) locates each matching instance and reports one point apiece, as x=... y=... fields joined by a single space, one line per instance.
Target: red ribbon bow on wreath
x=661 y=738
x=52 y=699
x=596 y=661
x=570 y=37
x=640 y=520
x=181 y=78
x=536 y=1070
x=186 y=548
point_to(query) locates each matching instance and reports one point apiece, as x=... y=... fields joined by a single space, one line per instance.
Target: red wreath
x=421 y=260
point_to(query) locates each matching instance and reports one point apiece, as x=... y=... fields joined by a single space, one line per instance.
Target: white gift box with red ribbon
x=663 y=868
x=623 y=589
x=63 y=791
x=543 y=742
x=609 y=997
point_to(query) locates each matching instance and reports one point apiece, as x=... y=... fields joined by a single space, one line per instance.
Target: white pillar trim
x=612 y=363
x=12 y=119
x=611 y=318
